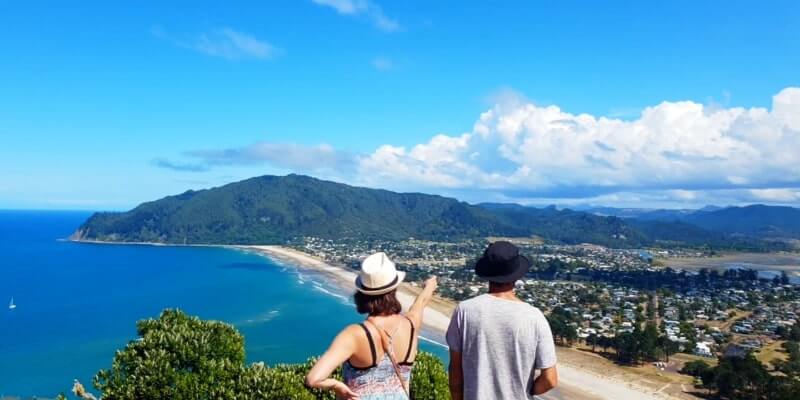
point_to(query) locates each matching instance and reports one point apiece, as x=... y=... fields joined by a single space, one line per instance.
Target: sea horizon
x=79 y=302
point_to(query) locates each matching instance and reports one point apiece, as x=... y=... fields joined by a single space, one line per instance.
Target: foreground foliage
x=182 y=357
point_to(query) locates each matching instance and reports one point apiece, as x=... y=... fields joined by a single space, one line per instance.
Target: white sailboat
x=11 y=304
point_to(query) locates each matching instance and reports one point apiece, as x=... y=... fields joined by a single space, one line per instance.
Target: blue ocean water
x=78 y=303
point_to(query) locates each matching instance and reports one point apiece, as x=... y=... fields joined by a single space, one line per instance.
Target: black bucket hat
x=502 y=263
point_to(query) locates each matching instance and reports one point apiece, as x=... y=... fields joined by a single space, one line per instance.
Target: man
x=497 y=341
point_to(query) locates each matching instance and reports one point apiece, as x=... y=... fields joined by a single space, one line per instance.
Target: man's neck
x=503 y=292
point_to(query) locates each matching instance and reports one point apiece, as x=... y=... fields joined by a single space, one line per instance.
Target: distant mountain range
x=754 y=220
x=274 y=209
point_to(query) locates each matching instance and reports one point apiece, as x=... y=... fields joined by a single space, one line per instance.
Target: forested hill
x=754 y=220
x=273 y=209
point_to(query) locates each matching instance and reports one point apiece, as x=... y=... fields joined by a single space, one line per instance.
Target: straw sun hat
x=378 y=275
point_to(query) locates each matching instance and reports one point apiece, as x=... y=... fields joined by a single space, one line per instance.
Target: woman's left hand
x=344 y=392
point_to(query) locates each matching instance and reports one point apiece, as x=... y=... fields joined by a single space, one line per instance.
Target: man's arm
x=545 y=358
x=547 y=379
x=456 y=376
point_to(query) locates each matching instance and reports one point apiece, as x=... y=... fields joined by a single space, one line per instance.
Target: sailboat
x=11 y=304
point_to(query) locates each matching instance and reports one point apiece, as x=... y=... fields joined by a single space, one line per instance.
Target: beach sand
x=575 y=381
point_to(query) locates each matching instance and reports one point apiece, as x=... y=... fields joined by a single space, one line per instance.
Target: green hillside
x=274 y=209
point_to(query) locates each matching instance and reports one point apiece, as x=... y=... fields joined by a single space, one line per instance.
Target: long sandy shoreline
x=575 y=382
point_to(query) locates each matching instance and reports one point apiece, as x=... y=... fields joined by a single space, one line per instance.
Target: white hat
x=378 y=275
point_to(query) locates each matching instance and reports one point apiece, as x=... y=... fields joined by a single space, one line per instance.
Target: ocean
x=77 y=303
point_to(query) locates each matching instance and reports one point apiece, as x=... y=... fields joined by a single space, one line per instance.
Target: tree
x=628 y=347
x=561 y=326
x=696 y=368
x=593 y=340
x=649 y=340
x=176 y=356
x=667 y=346
x=742 y=378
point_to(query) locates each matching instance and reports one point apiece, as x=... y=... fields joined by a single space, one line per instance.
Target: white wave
x=344 y=299
x=433 y=342
x=261 y=318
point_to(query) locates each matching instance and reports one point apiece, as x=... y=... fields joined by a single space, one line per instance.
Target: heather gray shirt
x=502 y=342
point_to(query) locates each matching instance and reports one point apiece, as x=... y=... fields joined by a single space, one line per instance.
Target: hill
x=567 y=226
x=760 y=221
x=274 y=209
x=756 y=220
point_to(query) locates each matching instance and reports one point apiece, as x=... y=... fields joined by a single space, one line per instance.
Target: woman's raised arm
x=417 y=309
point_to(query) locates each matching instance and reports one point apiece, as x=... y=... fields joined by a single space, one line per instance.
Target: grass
x=771 y=352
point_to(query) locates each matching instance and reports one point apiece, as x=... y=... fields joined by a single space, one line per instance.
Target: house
x=702 y=349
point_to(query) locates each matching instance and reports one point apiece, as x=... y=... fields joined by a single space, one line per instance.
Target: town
x=596 y=297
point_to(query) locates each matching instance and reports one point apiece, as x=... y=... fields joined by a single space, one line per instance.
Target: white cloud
x=675 y=148
x=231 y=44
x=382 y=64
x=680 y=153
x=777 y=195
x=362 y=7
x=177 y=166
x=225 y=43
x=292 y=156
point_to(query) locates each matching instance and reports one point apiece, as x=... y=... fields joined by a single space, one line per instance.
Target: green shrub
x=179 y=357
x=429 y=379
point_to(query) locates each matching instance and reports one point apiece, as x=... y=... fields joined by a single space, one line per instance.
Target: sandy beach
x=576 y=382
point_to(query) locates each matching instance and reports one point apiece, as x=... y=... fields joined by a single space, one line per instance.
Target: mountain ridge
x=755 y=220
x=274 y=209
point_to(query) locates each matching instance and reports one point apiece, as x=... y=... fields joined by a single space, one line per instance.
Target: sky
x=680 y=104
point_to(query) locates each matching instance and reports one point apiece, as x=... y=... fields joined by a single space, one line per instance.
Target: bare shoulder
x=351 y=331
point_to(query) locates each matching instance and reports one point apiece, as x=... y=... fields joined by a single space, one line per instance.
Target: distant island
x=276 y=209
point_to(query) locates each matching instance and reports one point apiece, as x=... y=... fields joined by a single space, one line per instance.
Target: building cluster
x=605 y=291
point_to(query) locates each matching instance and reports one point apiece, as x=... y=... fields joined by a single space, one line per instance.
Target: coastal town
x=596 y=297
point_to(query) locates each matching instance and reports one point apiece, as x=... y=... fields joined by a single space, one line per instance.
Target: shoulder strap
x=410 y=340
x=390 y=353
x=371 y=345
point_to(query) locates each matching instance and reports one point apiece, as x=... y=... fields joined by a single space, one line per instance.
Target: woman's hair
x=382 y=304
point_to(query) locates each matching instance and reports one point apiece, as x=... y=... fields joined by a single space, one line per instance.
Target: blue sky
x=105 y=105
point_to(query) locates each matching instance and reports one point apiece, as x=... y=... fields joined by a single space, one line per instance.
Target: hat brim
x=383 y=290
x=521 y=265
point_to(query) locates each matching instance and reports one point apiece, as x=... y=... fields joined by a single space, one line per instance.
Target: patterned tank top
x=379 y=380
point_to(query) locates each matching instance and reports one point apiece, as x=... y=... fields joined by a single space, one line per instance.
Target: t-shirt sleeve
x=545 y=347
x=454 y=336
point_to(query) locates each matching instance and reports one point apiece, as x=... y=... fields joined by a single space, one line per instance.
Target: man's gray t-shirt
x=502 y=342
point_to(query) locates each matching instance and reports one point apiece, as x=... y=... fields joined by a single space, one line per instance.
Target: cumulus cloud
x=225 y=43
x=680 y=153
x=674 y=148
x=364 y=8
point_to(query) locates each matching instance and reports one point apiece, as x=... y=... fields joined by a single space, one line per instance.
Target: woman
x=377 y=355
